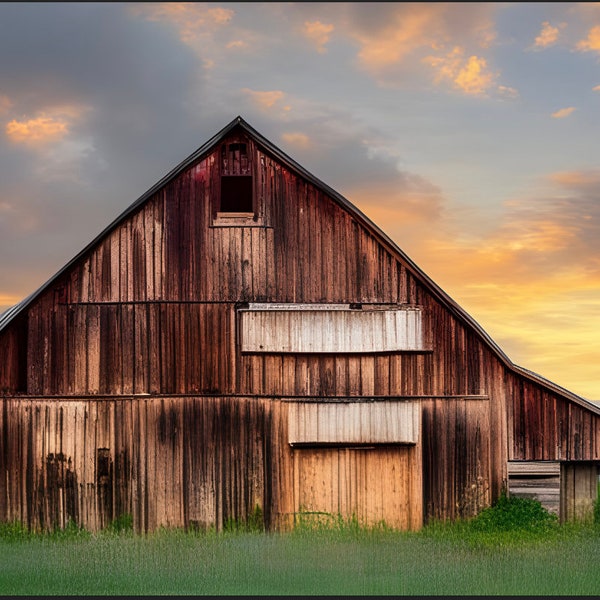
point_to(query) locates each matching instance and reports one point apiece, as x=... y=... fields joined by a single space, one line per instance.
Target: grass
x=497 y=553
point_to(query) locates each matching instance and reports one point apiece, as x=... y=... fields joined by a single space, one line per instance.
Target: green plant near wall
x=121 y=524
x=254 y=522
x=514 y=514
x=597 y=505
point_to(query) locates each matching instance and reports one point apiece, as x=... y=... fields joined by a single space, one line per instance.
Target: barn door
x=373 y=484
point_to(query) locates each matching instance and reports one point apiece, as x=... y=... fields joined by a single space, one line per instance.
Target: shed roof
x=7 y=316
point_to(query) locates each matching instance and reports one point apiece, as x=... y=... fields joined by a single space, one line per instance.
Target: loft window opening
x=236 y=194
x=236 y=180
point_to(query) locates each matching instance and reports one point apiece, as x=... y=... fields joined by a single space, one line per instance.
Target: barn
x=243 y=343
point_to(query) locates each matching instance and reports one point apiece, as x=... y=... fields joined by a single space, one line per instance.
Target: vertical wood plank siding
x=192 y=462
x=151 y=309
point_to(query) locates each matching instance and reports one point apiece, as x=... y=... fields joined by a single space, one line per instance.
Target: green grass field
x=469 y=558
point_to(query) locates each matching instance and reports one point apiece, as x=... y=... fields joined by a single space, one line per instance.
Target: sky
x=469 y=132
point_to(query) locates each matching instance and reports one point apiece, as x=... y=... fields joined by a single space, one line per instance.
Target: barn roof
x=10 y=314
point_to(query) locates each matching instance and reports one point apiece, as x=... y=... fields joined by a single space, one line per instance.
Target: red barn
x=243 y=341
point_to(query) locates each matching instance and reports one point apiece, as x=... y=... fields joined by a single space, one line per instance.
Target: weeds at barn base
x=513 y=549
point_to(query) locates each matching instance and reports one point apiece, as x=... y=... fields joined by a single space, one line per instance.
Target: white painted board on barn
x=329 y=328
x=354 y=422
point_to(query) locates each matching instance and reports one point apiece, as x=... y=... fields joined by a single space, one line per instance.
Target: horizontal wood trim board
x=287 y=398
x=350 y=445
x=533 y=468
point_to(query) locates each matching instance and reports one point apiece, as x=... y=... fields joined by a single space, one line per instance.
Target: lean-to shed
x=243 y=341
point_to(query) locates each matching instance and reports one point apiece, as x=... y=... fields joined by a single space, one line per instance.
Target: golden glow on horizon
x=528 y=278
x=576 y=179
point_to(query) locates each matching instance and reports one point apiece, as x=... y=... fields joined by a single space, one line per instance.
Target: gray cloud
x=135 y=80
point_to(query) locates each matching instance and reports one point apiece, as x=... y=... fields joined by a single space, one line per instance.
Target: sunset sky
x=470 y=133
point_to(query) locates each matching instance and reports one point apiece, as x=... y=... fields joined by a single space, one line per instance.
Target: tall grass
x=477 y=557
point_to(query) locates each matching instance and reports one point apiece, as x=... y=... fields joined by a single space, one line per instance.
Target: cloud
x=409 y=29
x=85 y=126
x=577 y=180
x=474 y=77
x=507 y=92
x=547 y=36
x=266 y=99
x=564 y=112
x=297 y=139
x=318 y=33
x=236 y=44
x=192 y=19
x=198 y=26
x=41 y=129
x=60 y=149
x=394 y=37
x=470 y=76
x=596 y=88
x=592 y=42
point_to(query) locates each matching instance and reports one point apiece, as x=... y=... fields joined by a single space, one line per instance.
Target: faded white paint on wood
x=354 y=423
x=329 y=328
x=539 y=480
x=532 y=468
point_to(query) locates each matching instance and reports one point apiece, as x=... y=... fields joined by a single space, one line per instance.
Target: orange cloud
x=474 y=78
x=318 y=33
x=195 y=22
x=411 y=29
x=266 y=99
x=48 y=126
x=470 y=76
x=592 y=42
x=596 y=88
x=300 y=140
x=191 y=18
x=41 y=129
x=547 y=36
x=564 y=112
x=391 y=33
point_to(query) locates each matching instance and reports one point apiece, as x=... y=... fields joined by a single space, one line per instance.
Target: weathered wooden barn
x=241 y=341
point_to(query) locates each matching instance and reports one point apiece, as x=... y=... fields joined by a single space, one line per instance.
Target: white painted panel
x=329 y=329
x=354 y=423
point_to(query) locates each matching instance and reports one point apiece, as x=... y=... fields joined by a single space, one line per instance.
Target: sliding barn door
x=372 y=484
